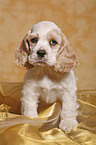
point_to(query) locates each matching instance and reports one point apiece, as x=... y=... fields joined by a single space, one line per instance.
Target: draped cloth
x=16 y=129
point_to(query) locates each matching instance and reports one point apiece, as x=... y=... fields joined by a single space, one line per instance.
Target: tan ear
x=21 y=54
x=66 y=57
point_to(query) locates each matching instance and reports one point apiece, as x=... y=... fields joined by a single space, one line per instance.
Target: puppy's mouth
x=40 y=62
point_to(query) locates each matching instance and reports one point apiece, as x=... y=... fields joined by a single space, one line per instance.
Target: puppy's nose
x=41 y=53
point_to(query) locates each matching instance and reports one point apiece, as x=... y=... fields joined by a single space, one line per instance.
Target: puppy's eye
x=34 y=40
x=53 y=42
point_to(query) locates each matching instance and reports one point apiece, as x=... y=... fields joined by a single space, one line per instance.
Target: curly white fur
x=44 y=81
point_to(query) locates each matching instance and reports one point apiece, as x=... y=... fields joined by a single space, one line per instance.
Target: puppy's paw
x=68 y=125
x=31 y=114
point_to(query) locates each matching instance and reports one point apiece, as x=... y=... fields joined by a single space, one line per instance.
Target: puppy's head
x=45 y=44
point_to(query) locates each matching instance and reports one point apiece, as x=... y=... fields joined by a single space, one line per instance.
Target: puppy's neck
x=38 y=72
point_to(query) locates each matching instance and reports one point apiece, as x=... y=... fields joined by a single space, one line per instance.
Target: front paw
x=67 y=125
x=31 y=114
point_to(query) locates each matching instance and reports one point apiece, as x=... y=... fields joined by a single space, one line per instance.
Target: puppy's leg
x=69 y=111
x=29 y=101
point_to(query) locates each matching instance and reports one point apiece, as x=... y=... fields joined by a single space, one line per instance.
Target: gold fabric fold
x=23 y=130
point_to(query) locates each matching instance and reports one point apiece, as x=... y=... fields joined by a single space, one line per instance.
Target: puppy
x=46 y=52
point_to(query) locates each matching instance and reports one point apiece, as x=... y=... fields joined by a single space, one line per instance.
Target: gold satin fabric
x=16 y=129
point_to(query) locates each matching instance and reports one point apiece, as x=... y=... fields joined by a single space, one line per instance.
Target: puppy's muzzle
x=41 y=53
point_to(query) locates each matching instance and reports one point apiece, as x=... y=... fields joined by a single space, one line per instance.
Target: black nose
x=41 y=53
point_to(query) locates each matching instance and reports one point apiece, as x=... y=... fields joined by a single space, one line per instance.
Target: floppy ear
x=66 y=57
x=22 y=52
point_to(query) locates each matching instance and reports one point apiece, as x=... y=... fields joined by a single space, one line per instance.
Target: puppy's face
x=43 y=43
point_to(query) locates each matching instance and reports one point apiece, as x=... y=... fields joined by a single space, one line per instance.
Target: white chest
x=49 y=90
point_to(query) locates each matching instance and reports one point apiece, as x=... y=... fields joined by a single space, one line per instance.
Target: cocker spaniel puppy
x=46 y=52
